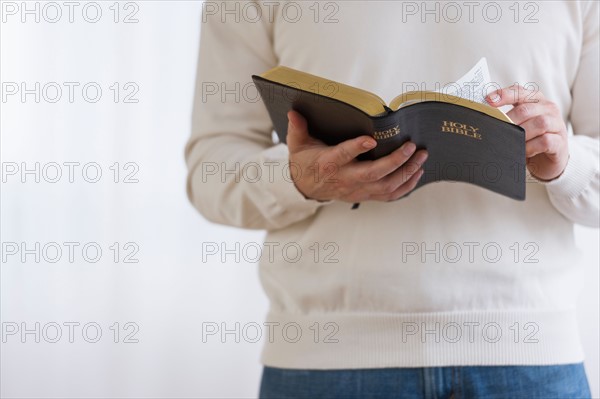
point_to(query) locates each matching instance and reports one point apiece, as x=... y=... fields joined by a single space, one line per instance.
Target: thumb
x=297 y=134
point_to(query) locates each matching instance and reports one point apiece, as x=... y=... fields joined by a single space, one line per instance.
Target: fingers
x=544 y=144
x=525 y=111
x=348 y=150
x=531 y=111
x=298 y=138
x=402 y=190
x=400 y=176
x=513 y=95
x=372 y=171
x=387 y=178
x=394 y=185
x=541 y=124
x=537 y=118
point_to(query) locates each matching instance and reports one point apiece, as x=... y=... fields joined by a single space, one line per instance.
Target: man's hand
x=323 y=172
x=546 y=146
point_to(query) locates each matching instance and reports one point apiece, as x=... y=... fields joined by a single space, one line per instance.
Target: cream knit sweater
x=452 y=274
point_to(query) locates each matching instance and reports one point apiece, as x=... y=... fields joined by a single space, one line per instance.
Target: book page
x=474 y=85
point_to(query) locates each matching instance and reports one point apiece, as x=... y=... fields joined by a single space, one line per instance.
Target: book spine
x=387 y=132
x=386 y=127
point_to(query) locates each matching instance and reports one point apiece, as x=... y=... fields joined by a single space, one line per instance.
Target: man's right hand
x=323 y=172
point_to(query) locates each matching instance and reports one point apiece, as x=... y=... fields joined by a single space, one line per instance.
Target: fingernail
x=409 y=148
x=369 y=144
x=494 y=97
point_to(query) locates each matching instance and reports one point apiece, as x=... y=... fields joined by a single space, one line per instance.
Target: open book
x=467 y=140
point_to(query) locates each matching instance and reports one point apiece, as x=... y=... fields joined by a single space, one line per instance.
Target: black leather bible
x=466 y=141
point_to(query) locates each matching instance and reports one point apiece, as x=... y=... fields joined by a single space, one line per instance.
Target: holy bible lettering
x=461 y=128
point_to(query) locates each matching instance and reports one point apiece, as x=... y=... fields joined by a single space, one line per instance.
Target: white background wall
x=170 y=292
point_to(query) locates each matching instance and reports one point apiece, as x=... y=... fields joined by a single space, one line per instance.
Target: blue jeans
x=527 y=382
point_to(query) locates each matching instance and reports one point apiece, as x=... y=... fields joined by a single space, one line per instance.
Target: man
x=452 y=290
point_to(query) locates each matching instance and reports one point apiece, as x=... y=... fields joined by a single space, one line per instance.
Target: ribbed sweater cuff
x=280 y=184
x=578 y=174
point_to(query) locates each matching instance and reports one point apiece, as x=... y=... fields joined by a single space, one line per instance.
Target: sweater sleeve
x=236 y=175
x=575 y=192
